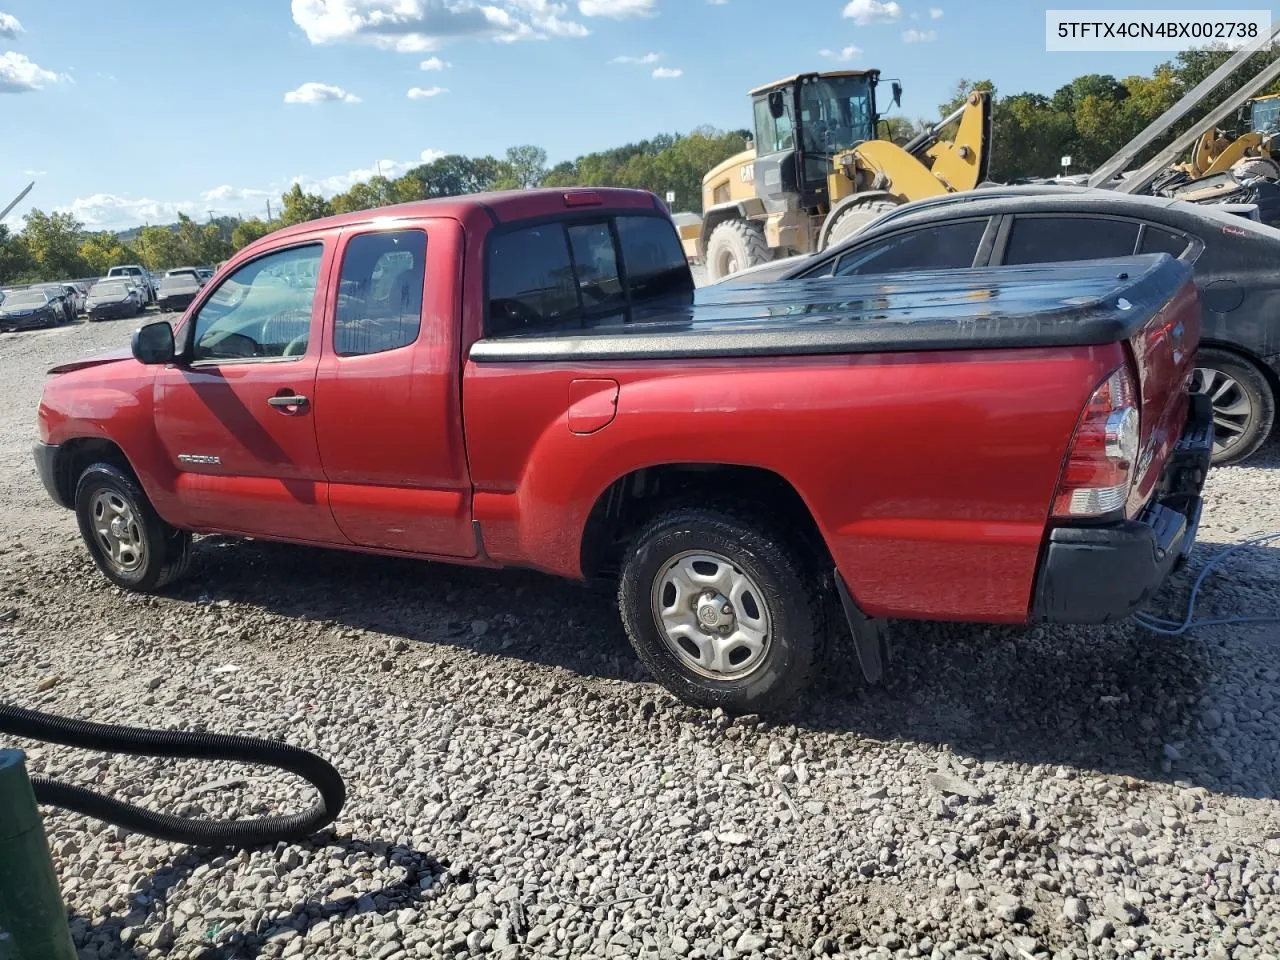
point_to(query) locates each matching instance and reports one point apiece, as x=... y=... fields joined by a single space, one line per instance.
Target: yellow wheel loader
x=1217 y=152
x=818 y=172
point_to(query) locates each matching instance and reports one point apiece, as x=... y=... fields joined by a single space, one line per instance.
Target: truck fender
x=752 y=208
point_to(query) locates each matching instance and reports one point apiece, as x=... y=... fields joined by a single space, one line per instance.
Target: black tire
x=793 y=602
x=166 y=551
x=735 y=245
x=1234 y=383
x=851 y=220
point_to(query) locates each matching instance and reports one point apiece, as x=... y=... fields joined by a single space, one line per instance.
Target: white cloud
x=418 y=93
x=34 y=173
x=919 y=36
x=421 y=26
x=667 y=73
x=9 y=26
x=312 y=92
x=616 y=8
x=872 y=11
x=717 y=3
x=20 y=75
x=647 y=58
x=843 y=55
x=434 y=63
x=106 y=211
x=935 y=13
x=328 y=186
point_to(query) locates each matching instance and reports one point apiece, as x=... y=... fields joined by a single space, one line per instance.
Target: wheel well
x=633 y=500
x=75 y=455
x=1267 y=372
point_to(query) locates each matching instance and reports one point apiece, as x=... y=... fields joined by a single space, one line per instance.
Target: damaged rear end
x=1128 y=503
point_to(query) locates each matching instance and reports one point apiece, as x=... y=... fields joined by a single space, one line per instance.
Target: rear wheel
x=724 y=612
x=1244 y=404
x=128 y=541
x=736 y=245
x=851 y=220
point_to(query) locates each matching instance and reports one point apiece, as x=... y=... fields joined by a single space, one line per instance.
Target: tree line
x=1088 y=119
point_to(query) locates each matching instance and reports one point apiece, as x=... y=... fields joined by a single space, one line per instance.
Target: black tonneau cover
x=1067 y=304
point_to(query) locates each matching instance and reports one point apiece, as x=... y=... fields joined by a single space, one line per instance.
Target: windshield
x=836 y=113
x=1266 y=116
x=25 y=298
x=108 y=290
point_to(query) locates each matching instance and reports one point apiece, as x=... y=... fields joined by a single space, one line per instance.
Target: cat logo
x=748 y=173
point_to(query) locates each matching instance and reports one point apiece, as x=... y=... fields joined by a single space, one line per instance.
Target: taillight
x=1100 y=464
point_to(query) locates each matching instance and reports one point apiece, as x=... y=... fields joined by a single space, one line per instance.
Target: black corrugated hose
x=182 y=746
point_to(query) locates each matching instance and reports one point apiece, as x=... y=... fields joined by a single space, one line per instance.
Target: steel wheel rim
x=711 y=615
x=1232 y=408
x=726 y=263
x=118 y=533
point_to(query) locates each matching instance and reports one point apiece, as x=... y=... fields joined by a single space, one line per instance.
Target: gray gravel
x=518 y=788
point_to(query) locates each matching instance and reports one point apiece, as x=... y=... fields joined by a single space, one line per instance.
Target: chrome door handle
x=295 y=401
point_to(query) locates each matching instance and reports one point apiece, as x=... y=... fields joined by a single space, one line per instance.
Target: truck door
x=388 y=417
x=237 y=414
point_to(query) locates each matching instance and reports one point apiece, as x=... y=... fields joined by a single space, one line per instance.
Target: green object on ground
x=33 y=919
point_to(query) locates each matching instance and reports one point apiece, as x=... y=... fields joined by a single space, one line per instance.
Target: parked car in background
x=76 y=296
x=178 y=288
x=206 y=273
x=529 y=380
x=1234 y=258
x=63 y=297
x=34 y=307
x=113 y=298
x=141 y=276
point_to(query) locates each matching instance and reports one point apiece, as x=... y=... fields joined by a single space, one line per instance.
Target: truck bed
x=1055 y=305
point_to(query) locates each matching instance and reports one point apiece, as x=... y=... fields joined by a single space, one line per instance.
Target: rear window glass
x=950 y=246
x=578 y=273
x=1057 y=239
x=1156 y=240
x=380 y=292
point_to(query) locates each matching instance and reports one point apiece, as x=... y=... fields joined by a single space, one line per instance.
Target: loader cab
x=1264 y=114
x=802 y=122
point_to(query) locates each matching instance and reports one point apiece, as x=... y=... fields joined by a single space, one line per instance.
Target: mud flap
x=870 y=635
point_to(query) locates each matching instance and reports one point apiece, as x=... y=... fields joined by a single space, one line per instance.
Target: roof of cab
x=796 y=76
x=501 y=207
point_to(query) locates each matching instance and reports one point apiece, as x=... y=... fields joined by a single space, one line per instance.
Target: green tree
x=160 y=248
x=212 y=246
x=54 y=244
x=16 y=263
x=299 y=206
x=525 y=168
x=247 y=231
x=102 y=251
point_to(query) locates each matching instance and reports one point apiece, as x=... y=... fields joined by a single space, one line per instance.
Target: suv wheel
x=723 y=612
x=126 y=537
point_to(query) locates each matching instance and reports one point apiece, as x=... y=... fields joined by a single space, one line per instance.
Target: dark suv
x=1236 y=262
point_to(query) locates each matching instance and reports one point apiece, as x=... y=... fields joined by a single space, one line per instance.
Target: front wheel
x=1244 y=405
x=724 y=613
x=127 y=539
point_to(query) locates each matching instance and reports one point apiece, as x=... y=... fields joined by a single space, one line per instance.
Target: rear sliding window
x=1156 y=240
x=573 y=274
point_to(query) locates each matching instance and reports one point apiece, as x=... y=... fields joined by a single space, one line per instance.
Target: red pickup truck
x=529 y=379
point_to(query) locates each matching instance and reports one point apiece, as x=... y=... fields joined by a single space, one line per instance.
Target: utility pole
x=268 y=210
x=211 y=216
x=5 y=212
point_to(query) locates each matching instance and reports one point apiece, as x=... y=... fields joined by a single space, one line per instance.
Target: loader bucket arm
x=961 y=163
x=894 y=170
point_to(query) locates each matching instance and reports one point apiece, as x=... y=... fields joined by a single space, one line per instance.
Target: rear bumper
x=175 y=303
x=1105 y=573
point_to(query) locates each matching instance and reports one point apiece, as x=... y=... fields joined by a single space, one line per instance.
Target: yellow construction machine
x=818 y=171
x=1217 y=152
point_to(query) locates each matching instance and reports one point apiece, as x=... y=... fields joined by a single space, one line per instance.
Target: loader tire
x=853 y=219
x=736 y=245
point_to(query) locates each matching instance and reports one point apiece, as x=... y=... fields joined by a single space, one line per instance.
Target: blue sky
x=135 y=110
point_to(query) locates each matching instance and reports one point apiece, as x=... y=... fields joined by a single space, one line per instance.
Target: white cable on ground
x=1174 y=628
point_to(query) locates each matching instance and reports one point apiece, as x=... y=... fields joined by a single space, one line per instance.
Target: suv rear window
x=571 y=274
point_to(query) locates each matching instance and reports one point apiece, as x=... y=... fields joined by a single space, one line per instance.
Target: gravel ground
x=518 y=787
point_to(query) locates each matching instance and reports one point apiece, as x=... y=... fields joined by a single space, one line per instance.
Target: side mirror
x=777 y=107
x=897 y=93
x=153 y=343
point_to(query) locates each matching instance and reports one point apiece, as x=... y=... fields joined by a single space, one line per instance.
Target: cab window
x=380 y=292
x=262 y=310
